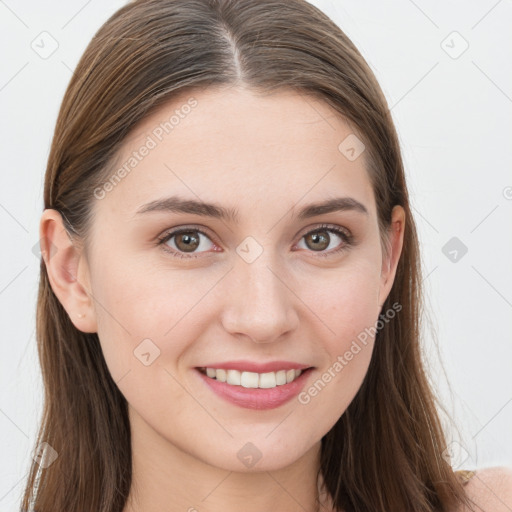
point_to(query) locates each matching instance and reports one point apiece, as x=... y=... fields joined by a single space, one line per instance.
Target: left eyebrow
x=338 y=204
x=183 y=205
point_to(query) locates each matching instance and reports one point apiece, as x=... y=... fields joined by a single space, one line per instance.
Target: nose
x=258 y=301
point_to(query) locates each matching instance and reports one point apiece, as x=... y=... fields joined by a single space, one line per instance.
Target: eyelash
x=348 y=240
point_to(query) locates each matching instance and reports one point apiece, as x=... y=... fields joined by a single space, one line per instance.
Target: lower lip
x=257 y=398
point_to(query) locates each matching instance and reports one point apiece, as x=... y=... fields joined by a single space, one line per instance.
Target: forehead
x=241 y=149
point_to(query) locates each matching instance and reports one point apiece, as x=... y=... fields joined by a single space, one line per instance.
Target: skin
x=491 y=490
x=266 y=156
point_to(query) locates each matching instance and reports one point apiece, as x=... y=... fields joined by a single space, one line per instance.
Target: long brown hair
x=385 y=451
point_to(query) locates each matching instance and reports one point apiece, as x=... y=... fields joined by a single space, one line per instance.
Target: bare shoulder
x=490 y=489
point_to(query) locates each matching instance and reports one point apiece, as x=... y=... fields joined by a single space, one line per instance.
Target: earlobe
x=63 y=263
x=391 y=258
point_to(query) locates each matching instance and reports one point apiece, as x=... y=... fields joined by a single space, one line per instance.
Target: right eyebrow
x=182 y=205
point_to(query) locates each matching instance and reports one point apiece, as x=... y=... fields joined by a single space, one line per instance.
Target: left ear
x=390 y=259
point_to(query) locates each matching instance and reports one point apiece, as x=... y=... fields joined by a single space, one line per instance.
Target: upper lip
x=251 y=366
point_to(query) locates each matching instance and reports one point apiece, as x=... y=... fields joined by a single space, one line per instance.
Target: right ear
x=67 y=270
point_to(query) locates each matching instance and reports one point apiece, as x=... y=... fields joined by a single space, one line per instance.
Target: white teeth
x=281 y=377
x=268 y=380
x=252 y=379
x=233 y=377
x=249 y=380
x=220 y=375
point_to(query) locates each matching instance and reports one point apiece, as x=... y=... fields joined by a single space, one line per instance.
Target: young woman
x=229 y=307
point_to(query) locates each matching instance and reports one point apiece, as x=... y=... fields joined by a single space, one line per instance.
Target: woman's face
x=264 y=284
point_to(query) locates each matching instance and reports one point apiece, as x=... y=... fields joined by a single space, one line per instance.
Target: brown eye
x=318 y=242
x=187 y=242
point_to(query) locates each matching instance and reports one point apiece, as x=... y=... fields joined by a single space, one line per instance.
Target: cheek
x=345 y=299
x=353 y=309
x=141 y=312
x=142 y=336
x=345 y=305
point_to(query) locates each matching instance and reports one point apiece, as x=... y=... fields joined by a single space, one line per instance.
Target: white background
x=454 y=118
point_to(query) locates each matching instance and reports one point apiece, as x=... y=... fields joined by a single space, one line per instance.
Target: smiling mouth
x=252 y=379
